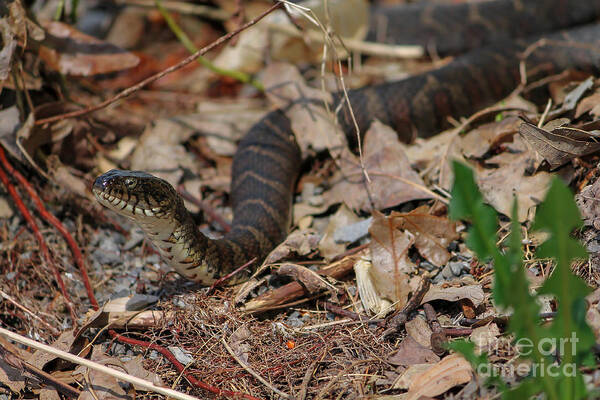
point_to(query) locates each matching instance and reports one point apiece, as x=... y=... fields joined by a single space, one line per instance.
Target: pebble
x=353 y=232
x=456 y=267
x=427 y=266
x=108 y=251
x=183 y=356
x=447 y=272
x=594 y=247
x=453 y=246
x=295 y=320
x=139 y=301
x=352 y=290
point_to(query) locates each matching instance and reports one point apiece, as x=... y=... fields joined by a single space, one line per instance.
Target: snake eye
x=130 y=183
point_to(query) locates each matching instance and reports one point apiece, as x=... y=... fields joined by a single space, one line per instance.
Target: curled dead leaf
x=560 y=145
x=310 y=280
x=72 y=52
x=451 y=371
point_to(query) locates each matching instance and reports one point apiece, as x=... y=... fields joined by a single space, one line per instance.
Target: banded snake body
x=267 y=161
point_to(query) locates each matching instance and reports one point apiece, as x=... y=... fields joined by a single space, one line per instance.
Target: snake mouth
x=123 y=207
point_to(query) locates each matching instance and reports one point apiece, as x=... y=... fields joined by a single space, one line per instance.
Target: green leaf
x=465 y=193
x=558 y=215
x=467 y=203
x=556 y=351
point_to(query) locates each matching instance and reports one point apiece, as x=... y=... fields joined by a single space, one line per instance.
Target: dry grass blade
x=95 y=366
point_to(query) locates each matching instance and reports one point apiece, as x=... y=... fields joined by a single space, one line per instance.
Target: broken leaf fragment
x=392 y=180
x=72 y=52
x=391 y=265
x=560 y=145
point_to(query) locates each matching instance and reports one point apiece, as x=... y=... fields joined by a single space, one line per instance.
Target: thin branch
x=189 y=45
x=95 y=366
x=130 y=90
x=251 y=372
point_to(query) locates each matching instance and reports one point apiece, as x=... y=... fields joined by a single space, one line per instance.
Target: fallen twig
x=16 y=362
x=293 y=290
x=438 y=336
x=130 y=90
x=251 y=372
x=27 y=311
x=95 y=366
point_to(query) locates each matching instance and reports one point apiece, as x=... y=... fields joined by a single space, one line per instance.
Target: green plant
x=555 y=351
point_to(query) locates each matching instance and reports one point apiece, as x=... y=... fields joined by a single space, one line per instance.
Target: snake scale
x=267 y=161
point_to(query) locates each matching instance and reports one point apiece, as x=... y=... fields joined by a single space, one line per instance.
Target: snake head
x=136 y=194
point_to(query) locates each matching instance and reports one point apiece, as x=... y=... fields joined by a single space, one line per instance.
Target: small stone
x=453 y=246
x=183 y=356
x=295 y=320
x=447 y=272
x=456 y=267
x=427 y=266
x=139 y=301
x=107 y=252
x=118 y=348
x=352 y=290
x=593 y=247
x=439 y=278
x=353 y=232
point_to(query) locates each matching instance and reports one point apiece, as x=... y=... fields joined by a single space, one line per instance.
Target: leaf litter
x=190 y=141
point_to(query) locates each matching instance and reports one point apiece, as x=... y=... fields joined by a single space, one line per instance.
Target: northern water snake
x=266 y=164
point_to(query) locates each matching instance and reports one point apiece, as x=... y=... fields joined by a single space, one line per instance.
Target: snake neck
x=181 y=245
x=194 y=255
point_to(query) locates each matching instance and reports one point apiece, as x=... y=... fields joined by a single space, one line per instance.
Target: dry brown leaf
x=348 y=18
x=560 y=145
x=66 y=342
x=393 y=181
x=105 y=386
x=588 y=201
x=9 y=43
x=72 y=52
x=500 y=185
x=485 y=336
x=215 y=121
x=450 y=293
x=420 y=331
x=589 y=104
x=451 y=371
x=435 y=155
x=160 y=151
x=407 y=377
x=12 y=377
x=389 y=254
x=328 y=246
x=238 y=342
x=411 y=352
x=482 y=139
x=299 y=242
x=592 y=316
x=310 y=280
x=313 y=126
x=432 y=234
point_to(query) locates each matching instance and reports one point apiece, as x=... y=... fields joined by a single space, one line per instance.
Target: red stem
x=180 y=367
x=36 y=232
x=54 y=222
